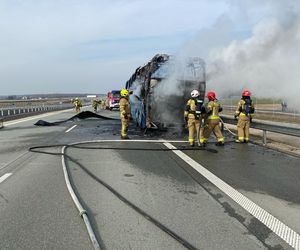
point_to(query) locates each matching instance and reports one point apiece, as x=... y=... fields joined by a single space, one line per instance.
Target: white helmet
x=195 y=93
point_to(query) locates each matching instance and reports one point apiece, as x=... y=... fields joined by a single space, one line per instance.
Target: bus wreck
x=161 y=88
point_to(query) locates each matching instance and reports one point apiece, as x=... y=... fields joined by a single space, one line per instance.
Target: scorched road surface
x=37 y=212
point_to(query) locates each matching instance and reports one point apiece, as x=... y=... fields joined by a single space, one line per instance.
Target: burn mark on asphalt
x=216 y=196
x=232 y=213
x=262 y=232
x=192 y=192
x=2 y=196
x=128 y=175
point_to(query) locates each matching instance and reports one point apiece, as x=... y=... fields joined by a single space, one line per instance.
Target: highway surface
x=241 y=196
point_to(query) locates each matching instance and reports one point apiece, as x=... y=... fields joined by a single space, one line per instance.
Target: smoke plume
x=267 y=62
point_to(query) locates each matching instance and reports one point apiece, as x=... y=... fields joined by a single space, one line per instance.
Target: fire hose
x=83 y=212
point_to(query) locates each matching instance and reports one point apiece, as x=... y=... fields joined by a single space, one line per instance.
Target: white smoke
x=267 y=63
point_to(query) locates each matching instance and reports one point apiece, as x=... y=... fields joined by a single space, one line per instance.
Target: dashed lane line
x=4 y=177
x=70 y=129
x=279 y=228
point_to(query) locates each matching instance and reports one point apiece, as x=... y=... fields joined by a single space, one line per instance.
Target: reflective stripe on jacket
x=124 y=106
x=213 y=108
x=190 y=110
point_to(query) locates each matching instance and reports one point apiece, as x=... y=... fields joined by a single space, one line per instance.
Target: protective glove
x=235 y=117
x=126 y=116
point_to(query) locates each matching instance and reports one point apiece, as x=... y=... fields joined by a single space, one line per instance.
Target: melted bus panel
x=161 y=88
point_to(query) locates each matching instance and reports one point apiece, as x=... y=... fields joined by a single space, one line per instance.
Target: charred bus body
x=161 y=88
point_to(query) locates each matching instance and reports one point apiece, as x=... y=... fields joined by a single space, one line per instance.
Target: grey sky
x=91 y=46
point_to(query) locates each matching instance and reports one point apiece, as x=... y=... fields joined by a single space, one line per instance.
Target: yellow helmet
x=124 y=92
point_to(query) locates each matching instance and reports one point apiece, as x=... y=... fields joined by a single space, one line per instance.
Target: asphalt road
x=37 y=212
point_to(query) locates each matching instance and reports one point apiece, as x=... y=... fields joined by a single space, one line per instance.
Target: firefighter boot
x=220 y=143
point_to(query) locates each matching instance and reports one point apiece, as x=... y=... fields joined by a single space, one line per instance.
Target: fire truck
x=113 y=100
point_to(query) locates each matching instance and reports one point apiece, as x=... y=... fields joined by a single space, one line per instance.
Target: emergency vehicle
x=113 y=100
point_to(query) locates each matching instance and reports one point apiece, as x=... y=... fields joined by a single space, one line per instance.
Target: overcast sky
x=91 y=46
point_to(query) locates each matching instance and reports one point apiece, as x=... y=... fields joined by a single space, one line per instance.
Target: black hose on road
x=164 y=228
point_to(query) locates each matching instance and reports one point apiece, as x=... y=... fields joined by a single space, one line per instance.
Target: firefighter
x=193 y=116
x=124 y=113
x=77 y=104
x=102 y=103
x=243 y=113
x=95 y=104
x=212 y=120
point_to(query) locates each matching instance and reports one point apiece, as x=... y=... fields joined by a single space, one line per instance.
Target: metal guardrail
x=5 y=112
x=266 y=111
x=276 y=127
x=8 y=113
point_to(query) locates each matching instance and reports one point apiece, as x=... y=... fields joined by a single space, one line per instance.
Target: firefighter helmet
x=124 y=92
x=211 y=96
x=195 y=93
x=246 y=93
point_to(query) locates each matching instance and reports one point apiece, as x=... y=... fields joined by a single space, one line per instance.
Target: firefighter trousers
x=212 y=126
x=243 y=127
x=77 y=108
x=125 y=123
x=194 y=125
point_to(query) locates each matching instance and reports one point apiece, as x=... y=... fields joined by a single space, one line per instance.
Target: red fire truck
x=113 y=100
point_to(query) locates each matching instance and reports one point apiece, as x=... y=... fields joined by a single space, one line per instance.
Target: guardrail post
x=264 y=137
x=8 y=112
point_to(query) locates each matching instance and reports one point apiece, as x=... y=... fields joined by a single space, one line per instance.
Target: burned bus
x=161 y=88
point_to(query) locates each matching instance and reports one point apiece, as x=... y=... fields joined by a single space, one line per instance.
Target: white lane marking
x=70 y=129
x=34 y=117
x=279 y=228
x=4 y=177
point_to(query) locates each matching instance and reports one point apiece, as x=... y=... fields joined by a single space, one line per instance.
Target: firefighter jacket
x=77 y=103
x=212 y=109
x=124 y=107
x=245 y=107
x=194 y=109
